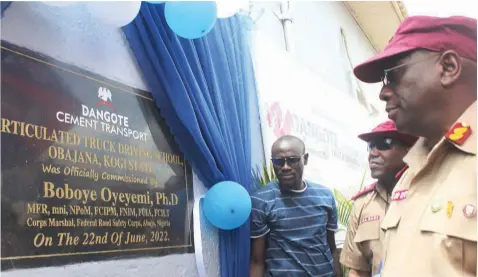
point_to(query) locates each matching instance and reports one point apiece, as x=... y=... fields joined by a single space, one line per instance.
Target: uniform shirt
x=363 y=241
x=430 y=226
x=296 y=224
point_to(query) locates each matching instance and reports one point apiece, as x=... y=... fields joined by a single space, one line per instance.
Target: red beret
x=389 y=130
x=423 y=32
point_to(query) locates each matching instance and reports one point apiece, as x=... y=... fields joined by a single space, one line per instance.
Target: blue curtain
x=202 y=89
x=5 y=5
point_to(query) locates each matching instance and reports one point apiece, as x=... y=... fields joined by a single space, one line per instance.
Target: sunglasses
x=387 y=78
x=383 y=144
x=291 y=161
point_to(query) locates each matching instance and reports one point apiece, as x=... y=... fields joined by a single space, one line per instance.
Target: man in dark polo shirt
x=293 y=221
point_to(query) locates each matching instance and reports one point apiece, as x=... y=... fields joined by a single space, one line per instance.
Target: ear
x=306 y=158
x=451 y=67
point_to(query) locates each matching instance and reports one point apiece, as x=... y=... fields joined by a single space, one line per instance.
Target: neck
x=297 y=186
x=433 y=139
x=388 y=184
x=441 y=123
x=300 y=185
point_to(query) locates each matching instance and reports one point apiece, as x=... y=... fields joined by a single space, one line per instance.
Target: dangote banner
x=293 y=101
x=89 y=170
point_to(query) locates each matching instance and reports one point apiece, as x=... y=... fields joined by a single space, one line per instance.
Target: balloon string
x=198 y=236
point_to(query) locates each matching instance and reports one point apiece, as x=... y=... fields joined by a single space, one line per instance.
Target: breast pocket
x=453 y=236
x=368 y=231
x=391 y=221
x=389 y=225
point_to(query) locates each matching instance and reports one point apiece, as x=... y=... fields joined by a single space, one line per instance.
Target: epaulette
x=400 y=173
x=364 y=191
x=459 y=133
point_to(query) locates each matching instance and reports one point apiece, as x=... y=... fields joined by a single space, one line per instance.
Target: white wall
x=70 y=35
x=315 y=34
x=441 y=8
x=318 y=47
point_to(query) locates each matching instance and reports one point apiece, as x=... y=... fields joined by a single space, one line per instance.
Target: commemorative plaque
x=89 y=169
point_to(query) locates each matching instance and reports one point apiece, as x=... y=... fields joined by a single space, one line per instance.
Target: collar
x=295 y=190
x=300 y=190
x=400 y=173
x=417 y=155
x=462 y=135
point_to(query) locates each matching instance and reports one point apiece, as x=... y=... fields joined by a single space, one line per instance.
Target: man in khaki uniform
x=428 y=71
x=363 y=241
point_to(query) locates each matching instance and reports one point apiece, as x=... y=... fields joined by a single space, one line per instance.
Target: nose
x=385 y=93
x=373 y=153
x=286 y=166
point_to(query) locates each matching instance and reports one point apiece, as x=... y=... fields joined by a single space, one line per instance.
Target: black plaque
x=89 y=169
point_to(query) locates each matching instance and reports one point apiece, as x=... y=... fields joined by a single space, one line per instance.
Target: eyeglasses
x=383 y=144
x=388 y=81
x=291 y=161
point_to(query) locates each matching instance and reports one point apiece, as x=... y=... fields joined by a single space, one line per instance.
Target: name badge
x=370 y=218
x=400 y=195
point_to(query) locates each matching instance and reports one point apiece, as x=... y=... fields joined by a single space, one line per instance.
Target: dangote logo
x=106 y=120
x=105 y=94
x=281 y=124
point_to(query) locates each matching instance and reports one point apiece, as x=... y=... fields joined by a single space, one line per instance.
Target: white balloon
x=116 y=14
x=58 y=3
x=228 y=8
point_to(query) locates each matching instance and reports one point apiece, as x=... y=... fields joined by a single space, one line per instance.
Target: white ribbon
x=198 y=236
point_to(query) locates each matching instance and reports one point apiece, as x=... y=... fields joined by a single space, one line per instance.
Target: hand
x=353 y=273
x=356 y=273
x=338 y=272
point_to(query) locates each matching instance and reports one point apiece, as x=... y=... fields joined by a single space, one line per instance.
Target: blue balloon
x=190 y=20
x=227 y=205
x=155 y=2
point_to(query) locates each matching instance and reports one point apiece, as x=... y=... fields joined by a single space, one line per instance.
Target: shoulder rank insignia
x=364 y=190
x=459 y=133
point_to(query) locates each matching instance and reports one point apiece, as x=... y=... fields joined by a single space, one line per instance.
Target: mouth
x=392 y=111
x=390 y=108
x=287 y=177
x=374 y=165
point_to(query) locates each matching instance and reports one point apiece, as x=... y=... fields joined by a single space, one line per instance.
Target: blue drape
x=201 y=88
x=5 y=5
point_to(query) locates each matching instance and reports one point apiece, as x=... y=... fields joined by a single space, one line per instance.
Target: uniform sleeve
x=332 y=223
x=259 y=217
x=352 y=254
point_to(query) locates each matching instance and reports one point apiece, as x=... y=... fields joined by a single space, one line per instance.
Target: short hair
x=292 y=139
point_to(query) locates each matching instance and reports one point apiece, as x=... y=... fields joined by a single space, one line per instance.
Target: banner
x=89 y=168
x=294 y=101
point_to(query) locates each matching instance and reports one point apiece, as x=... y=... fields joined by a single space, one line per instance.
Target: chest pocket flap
x=391 y=219
x=367 y=231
